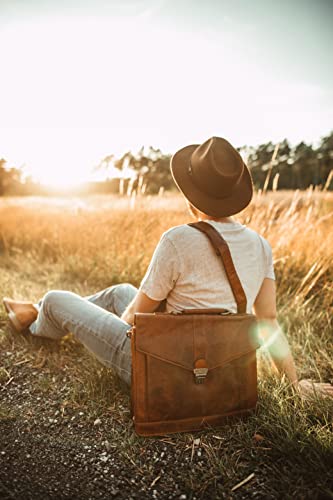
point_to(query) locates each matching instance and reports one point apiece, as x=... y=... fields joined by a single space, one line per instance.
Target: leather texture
x=194 y=368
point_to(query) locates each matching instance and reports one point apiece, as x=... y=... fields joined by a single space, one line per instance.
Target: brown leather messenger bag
x=195 y=368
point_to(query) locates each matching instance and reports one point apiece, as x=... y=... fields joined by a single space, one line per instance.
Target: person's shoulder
x=265 y=243
x=253 y=235
x=176 y=232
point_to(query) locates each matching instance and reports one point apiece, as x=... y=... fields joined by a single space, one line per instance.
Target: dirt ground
x=51 y=453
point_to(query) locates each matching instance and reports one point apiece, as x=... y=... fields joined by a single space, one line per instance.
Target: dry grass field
x=65 y=426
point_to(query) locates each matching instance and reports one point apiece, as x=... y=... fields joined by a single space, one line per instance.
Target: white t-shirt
x=186 y=271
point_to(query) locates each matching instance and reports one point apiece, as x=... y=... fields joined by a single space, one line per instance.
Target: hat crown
x=216 y=167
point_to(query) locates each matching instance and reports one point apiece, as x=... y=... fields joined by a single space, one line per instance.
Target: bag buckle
x=200 y=375
x=200 y=371
x=130 y=332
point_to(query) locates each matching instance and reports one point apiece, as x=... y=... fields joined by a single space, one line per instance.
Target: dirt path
x=51 y=451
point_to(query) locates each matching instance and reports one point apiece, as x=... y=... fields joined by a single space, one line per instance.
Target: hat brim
x=224 y=207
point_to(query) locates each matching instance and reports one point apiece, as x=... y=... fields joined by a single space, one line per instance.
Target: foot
x=20 y=314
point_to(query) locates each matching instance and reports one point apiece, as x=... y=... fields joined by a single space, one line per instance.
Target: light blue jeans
x=94 y=321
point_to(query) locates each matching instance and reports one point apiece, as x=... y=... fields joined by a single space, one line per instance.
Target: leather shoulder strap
x=222 y=250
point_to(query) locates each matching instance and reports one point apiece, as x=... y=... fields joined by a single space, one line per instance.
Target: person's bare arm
x=141 y=303
x=277 y=344
x=271 y=333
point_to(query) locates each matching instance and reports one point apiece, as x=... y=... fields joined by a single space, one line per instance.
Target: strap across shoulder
x=222 y=250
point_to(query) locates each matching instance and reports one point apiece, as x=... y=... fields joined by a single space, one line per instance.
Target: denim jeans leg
x=102 y=332
x=115 y=298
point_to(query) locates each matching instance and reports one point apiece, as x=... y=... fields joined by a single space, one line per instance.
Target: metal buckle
x=130 y=332
x=200 y=375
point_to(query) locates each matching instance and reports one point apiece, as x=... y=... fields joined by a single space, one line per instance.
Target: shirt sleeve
x=269 y=270
x=163 y=271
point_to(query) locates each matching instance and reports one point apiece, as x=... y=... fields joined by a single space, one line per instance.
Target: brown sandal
x=12 y=317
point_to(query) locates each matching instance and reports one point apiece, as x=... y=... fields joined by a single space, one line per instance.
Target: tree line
x=273 y=166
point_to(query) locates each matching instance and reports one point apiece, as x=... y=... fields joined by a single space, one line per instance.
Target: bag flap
x=182 y=339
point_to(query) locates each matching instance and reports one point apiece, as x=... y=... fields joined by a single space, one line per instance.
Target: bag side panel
x=140 y=386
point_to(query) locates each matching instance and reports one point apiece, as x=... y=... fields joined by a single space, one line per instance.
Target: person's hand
x=309 y=389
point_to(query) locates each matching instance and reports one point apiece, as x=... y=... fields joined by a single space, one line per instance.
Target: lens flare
x=271 y=338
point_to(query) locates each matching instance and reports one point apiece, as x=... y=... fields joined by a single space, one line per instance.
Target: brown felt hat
x=213 y=177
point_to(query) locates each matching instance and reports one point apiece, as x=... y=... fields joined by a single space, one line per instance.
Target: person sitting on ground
x=184 y=271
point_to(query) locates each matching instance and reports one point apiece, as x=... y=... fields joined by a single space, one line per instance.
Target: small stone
x=97 y=421
x=107 y=445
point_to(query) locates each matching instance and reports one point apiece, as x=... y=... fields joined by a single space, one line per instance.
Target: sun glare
x=61 y=183
x=61 y=169
x=60 y=178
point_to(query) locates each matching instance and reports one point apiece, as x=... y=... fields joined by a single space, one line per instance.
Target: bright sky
x=81 y=79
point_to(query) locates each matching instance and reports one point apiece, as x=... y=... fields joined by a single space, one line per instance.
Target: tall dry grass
x=101 y=240
x=90 y=243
